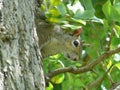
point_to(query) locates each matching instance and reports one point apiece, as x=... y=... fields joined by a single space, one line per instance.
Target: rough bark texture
x=20 y=65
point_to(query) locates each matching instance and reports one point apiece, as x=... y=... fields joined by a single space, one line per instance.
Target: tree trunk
x=20 y=64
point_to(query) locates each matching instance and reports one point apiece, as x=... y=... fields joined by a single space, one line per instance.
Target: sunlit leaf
x=73 y=27
x=58 y=79
x=43 y=7
x=116 y=33
x=117 y=27
x=53 y=20
x=79 y=21
x=49 y=87
x=78 y=64
x=117 y=65
x=55 y=56
x=54 y=12
x=57 y=20
x=55 y=2
x=109 y=63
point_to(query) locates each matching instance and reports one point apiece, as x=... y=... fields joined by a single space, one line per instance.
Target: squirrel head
x=73 y=45
x=69 y=45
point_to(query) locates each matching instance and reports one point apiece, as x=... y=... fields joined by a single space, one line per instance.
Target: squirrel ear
x=77 y=32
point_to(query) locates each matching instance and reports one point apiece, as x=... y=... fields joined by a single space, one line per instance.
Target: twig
x=85 y=68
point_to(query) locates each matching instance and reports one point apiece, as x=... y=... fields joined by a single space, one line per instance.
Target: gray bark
x=20 y=64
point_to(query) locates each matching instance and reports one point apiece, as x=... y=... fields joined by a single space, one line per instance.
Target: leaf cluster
x=100 y=21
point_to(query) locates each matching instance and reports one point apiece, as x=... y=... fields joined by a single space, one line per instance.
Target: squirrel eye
x=76 y=43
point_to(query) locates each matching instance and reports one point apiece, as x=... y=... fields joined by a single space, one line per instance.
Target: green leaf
x=117 y=65
x=54 y=12
x=79 y=21
x=62 y=9
x=115 y=41
x=95 y=19
x=116 y=1
x=106 y=26
x=55 y=2
x=107 y=9
x=42 y=7
x=58 y=79
x=88 y=5
x=116 y=33
x=57 y=20
x=109 y=63
x=53 y=20
x=115 y=12
x=87 y=14
x=49 y=87
x=117 y=29
x=112 y=12
x=73 y=27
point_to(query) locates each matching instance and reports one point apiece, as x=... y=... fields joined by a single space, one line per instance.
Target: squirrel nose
x=72 y=58
x=75 y=59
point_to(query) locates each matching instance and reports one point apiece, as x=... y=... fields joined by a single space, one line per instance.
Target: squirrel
x=53 y=40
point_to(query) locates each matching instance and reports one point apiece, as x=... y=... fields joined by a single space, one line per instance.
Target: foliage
x=100 y=21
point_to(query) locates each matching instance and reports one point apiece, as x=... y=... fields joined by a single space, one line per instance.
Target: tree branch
x=85 y=68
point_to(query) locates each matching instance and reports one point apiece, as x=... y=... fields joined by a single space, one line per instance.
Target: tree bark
x=20 y=62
